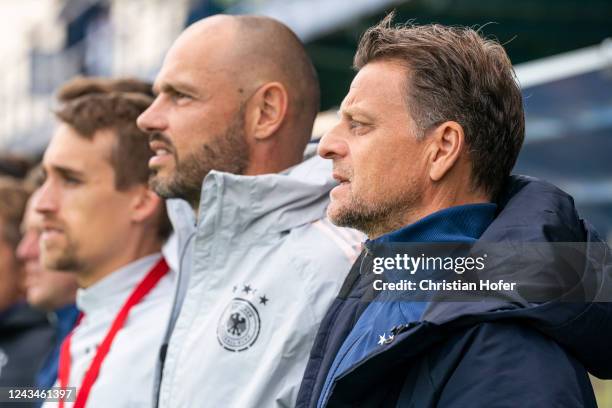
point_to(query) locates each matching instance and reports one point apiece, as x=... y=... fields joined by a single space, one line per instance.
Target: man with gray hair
x=237 y=97
x=429 y=132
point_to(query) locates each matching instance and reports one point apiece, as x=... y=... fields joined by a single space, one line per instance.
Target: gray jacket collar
x=267 y=203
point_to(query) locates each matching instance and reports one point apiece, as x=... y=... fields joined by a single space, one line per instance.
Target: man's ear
x=266 y=110
x=446 y=142
x=145 y=204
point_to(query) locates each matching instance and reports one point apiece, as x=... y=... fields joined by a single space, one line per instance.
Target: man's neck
x=96 y=273
x=195 y=206
x=60 y=304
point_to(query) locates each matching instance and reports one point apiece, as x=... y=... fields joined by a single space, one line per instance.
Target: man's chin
x=161 y=185
x=337 y=213
x=58 y=262
x=352 y=215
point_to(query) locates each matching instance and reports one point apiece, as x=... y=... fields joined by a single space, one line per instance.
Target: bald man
x=237 y=97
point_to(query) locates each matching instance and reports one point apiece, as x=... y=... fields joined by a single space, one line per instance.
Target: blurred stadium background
x=562 y=52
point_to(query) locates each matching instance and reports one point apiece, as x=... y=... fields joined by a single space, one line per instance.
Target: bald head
x=254 y=50
x=235 y=94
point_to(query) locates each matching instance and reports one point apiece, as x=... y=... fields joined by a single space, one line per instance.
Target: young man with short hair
x=102 y=223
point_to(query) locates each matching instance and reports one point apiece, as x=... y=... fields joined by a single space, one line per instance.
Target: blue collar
x=455 y=224
x=66 y=319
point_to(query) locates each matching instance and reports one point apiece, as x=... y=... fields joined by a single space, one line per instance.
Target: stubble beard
x=228 y=152
x=377 y=218
x=66 y=260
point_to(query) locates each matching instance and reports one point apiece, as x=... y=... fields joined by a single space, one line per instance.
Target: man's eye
x=353 y=124
x=179 y=96
x=72 y=181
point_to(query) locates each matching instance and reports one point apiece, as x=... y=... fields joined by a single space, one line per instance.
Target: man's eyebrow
x=67 y=172
x=174 y=87
x=353 y=111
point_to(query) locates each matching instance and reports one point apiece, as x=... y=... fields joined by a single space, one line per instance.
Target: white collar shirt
x=126 y=375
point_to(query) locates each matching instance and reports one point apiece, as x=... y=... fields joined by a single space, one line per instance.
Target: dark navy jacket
x=25 y=339
x=478 y=354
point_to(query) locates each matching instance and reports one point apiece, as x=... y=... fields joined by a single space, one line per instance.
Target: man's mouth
x=159 y=148
x=163 y=153
x=340 y=179
x=50 y=228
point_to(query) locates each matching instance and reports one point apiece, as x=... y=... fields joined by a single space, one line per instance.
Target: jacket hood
x=533 y=211
x=530 y=211
x=267 y=203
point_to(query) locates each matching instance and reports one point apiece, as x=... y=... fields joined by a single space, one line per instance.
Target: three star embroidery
x=248 y=289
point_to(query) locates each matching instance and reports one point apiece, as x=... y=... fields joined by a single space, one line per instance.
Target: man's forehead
x=380 y=75
x=354 y=106
x=359 y=101
x=197 y=48
x=71 y=151
x=188 y=73
x=206 y=48
x=376 y=85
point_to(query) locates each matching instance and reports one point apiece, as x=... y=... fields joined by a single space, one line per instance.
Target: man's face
x=378 y=160
x=85 y=219
x=196 y=123
x=45 y=289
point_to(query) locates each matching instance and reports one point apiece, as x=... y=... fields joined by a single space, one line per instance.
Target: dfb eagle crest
x=239 y=325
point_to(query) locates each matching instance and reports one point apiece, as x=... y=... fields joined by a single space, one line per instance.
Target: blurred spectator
x=50 y=291
x=14 y=165
x=101 y=222
x=25 y=334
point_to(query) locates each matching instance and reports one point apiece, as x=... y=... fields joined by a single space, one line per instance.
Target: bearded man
x=237 y=97
x=429 y=132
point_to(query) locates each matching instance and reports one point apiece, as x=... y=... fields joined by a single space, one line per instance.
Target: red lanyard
x=144 y=287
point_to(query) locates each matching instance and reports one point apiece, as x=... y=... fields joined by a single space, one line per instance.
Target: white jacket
x=257 y=276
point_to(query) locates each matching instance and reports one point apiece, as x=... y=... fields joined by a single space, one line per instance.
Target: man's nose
x=28 y=247
x=332 y=145
x=46 y=200
x=153 y=119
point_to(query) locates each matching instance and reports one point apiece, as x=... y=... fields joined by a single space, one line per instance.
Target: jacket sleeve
x=512 y=365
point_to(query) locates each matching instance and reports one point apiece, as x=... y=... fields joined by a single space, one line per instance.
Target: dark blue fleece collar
x=455 y=224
